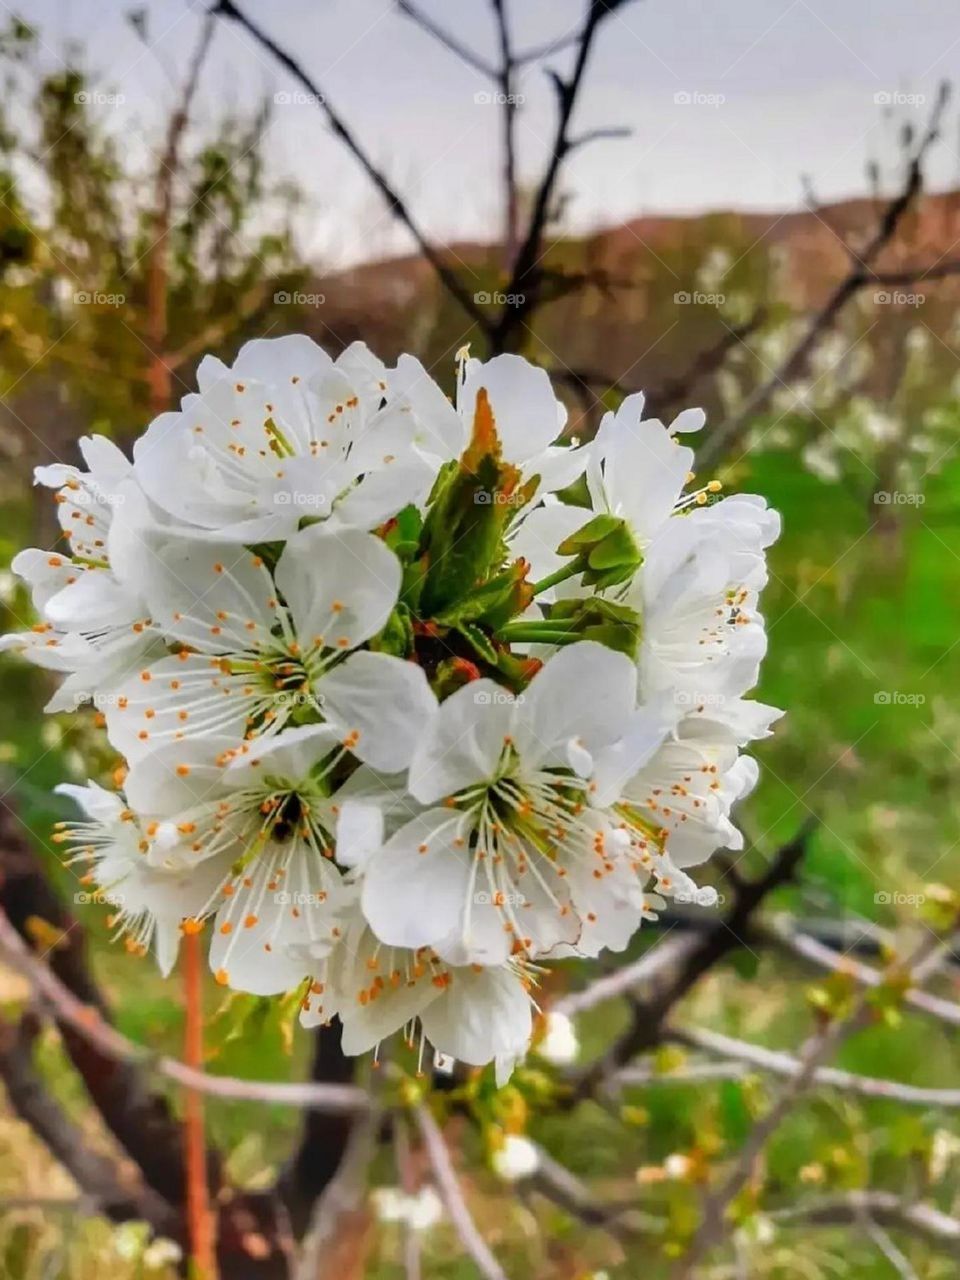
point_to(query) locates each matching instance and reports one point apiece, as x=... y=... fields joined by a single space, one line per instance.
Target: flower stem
x=200 y=1223
x=559 y=575
x=537 y=633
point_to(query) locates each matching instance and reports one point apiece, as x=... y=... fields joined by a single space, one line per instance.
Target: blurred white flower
x=559 y=1043
x=517 y=1157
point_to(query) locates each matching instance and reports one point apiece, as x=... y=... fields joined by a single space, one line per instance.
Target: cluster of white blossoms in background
x=413 y=699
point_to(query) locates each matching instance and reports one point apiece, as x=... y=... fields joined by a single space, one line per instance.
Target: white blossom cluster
x=401 y=720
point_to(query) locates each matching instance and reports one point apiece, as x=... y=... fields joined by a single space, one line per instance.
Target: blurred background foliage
x=862 y=607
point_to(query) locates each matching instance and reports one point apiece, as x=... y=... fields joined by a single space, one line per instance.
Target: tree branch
x=99 y=1179
x=861 y=274
x=937 y=1229
x=778 y=1063
x=394 y=202
x=86 y=1023
x=450 y=1192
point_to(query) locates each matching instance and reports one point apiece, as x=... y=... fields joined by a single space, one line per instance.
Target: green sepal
x=614 y=625
x=606 y=551
x=464 y=533
x=396 y=638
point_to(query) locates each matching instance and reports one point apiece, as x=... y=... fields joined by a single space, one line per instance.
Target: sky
x=729 y=103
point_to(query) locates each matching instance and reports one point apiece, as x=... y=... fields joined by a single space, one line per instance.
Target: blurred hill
x=667 y=286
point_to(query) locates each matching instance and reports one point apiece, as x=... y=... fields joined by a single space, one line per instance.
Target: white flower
x=517 y=1157
x=559 y=1044
x=94 y=623
x=513 y=860
x=263 y=650
x=419 y=1211
x=262 y=816
x=703 y=637
x=287 y=434
x=527 y=415
x=149 y=903
x=638 y=469
x=674 y=791
x=472 y=1013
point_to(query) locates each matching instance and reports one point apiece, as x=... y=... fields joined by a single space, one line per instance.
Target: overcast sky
x=778 y=88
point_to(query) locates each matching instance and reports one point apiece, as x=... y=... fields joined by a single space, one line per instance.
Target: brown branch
x=451 y=1194
x=139 y=1119
x=506 y=83
x=86 y=1022
x=394 y=201
x=158 y=274
x=860 y=275
x=525 y=281
x=727 y=935
x=99 y=1179
x=778 y=1063
x=667 y=953
x=926 y=1222
x=809 y=1063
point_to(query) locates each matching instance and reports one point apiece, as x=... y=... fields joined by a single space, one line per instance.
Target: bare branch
x=450 y=42
x=825 y=957
x=937 y=1229
x=802 y=1075
x=449 y=1188
x=89 y=1024
x=662 y=955
x=506 y=83
x=860 y=275
x=99 y=1178
x=394 y=201
x=778 y=1063
x=525 y=280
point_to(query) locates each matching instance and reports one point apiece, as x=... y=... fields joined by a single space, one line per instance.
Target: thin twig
x=448 y=1186
x=816 y=952
x=802 y=1075
x=525 y=282
x=928 y=1223
x=661 y=956
x=88 y=1022
x=394 y=201
x=776 y=1062
x=860 y=274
